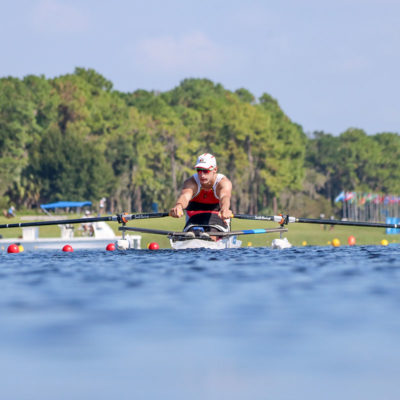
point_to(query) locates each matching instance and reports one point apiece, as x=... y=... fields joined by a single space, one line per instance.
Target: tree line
x=76 y=138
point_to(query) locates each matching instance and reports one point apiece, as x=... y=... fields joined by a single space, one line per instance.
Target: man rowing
x=206 y=197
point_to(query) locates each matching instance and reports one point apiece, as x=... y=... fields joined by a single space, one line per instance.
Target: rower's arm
x=183 y=200
x=224 y=192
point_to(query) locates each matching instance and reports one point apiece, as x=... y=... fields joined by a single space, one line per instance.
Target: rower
x=206 y=197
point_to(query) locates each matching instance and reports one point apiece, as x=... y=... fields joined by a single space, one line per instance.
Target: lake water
x=252 y=323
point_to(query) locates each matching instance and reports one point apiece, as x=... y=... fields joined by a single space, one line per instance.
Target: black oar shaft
x=109 y=218
x=57 y=222
x=146 y=216
x=146 y=230
x=254 y=217
x=348 y=223
x=284 y=219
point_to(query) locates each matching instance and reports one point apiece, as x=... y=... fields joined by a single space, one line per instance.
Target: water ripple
x=240 y=314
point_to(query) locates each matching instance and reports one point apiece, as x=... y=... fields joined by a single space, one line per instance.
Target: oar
x=248 y=232
x=153 y=231
x=122 y=218
x=193 y=235
x=285 y=219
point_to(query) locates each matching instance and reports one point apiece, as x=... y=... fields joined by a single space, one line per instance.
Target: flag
x=339 y=197
x=385 y=200
x=378 y=199
x=363 y=199
x=349 y=196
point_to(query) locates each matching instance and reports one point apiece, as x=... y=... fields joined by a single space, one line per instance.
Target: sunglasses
x=204 y=171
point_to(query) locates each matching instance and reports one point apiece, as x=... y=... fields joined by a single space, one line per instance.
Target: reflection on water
x=256 y=323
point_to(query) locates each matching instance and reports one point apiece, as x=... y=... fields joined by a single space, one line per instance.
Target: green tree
x=18 y=128
x=67 y=167
x=282 y=152
x=385 y=173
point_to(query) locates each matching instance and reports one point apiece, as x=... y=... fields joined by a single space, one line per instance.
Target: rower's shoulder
x=223 y=179
x=190 y=182
x=224 y=184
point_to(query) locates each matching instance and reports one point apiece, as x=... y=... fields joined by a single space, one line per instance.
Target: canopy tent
x=65 y=204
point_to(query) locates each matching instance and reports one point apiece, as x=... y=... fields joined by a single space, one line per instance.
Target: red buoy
x=67 y=247
x=351 y=240
x=153 y=246
x=13 y=248
x=110 y=247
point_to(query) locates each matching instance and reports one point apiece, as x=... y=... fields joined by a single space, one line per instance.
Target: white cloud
x=194 y=52
x=52 y=16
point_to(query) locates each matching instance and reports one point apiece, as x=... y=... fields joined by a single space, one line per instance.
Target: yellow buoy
x=21 y=248
x=335 y=242
x=304 y=243
x=249 y=244
x=384 y=242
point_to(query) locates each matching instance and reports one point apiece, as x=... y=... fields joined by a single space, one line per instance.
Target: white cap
x=206 y=161
x=87 y=212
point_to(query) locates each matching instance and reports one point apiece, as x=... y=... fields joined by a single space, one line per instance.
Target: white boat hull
x=226 y=243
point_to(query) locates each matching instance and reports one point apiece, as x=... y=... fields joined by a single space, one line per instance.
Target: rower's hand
x=176 y=211
x=225 y=214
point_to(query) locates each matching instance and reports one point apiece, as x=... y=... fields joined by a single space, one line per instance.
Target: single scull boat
x=199 y=238
x=196 y=239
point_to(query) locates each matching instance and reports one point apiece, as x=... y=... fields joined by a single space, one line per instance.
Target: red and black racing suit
x=203 y=209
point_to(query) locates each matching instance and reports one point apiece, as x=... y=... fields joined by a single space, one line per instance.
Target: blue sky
x=331 y=65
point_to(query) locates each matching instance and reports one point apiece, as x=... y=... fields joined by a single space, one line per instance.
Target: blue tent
x=65 y=204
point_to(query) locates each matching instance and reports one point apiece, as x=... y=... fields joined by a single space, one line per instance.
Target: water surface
x=250 y=323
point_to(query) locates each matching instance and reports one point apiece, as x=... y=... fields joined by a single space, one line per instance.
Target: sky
x=331 y=65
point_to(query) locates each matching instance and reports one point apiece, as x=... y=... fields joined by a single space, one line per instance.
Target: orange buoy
x=110 y=247
x=153 y=246
x=13 y=248
x=67 y=248
x=351 y=240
